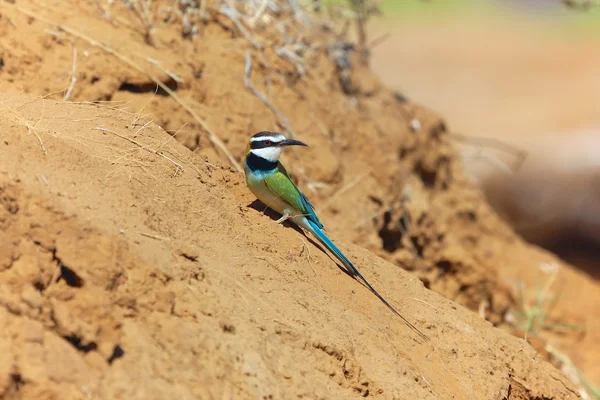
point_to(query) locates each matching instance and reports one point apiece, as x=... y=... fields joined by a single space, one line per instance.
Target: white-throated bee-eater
x=269 y=181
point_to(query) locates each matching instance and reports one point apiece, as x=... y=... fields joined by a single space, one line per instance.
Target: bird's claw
x=282 y=219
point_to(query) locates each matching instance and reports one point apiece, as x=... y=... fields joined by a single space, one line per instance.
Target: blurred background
x=522 y=72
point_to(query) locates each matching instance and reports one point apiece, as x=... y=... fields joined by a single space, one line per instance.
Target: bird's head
x=268 y=145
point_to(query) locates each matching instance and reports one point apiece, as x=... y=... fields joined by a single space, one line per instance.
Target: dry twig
x=249 y=85
x=232 y=14
x=73 y=73
x=151 y=236
x=259 y=13
x=30 y=129
x=210 y=133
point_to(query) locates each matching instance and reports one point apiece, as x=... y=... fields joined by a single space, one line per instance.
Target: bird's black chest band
x=256 y=163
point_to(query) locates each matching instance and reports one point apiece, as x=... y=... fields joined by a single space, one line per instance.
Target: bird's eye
x=267 y=142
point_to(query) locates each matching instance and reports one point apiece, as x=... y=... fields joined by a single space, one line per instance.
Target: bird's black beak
x=292 y=142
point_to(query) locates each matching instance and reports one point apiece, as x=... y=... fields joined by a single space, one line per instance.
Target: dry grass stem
x=232 y=14
x=249 y=85
x=151 y=236
x=307 y=247
x=158 y=65
x=210 y=133
x=259 y=13
x=178 y=167
x=73 y=73
x=293 y=58
x=30 y=129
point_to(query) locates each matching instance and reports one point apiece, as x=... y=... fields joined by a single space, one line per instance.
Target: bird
x=269 y=181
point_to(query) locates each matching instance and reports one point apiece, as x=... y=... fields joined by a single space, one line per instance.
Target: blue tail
x=318 y=232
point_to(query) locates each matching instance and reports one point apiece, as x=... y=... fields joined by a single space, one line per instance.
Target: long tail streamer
x=340 y=256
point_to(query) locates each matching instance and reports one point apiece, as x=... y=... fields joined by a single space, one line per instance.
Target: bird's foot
x=284 y=218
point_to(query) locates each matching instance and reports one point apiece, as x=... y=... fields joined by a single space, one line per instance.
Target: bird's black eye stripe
x=261 y=144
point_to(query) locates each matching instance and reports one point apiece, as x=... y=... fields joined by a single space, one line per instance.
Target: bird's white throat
x=268 y=153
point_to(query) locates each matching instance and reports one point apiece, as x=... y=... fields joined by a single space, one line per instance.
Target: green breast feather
x=282 y=186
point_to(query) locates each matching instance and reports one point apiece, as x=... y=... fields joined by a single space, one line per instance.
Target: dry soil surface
x=134 y=262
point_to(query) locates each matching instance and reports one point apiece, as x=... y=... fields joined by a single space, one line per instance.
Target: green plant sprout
x=575 y=375
x=534 y=316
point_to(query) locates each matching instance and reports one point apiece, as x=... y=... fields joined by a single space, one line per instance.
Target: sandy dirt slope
x=124 y=279
x=158 y=267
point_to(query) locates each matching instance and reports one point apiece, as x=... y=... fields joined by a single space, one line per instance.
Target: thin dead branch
x=158 y=65
x=156 y=237
x=142 y=9
x=73 y=73
x=293 y=58
x=210 y=133
x=259 y=13
x=232 y=14
x=284 y=121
